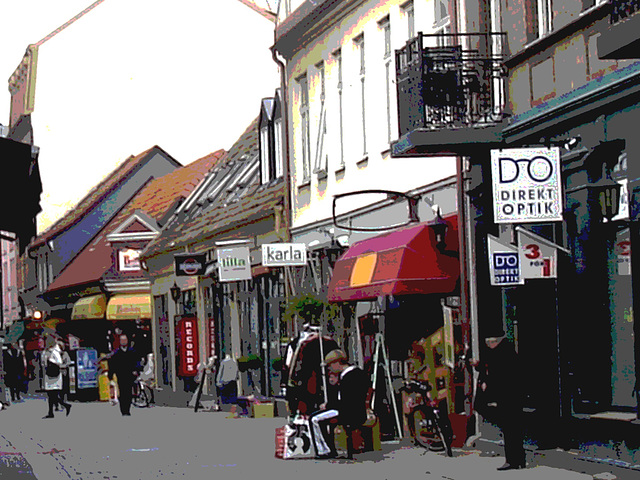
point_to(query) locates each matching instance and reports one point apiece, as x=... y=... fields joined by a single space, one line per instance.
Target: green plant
x=309 y=307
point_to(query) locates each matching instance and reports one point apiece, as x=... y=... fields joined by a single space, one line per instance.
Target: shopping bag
x=280 y=441
x=297 y=439
x=113 y=392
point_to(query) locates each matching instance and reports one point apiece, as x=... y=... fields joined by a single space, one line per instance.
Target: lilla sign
x=284 y=254
x=188 y=335
x=187 y=264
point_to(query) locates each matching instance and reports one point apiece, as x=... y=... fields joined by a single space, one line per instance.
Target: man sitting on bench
x=350 y=406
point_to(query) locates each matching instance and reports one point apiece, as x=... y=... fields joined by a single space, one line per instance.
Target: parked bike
x=429 y=426
x=140 y=396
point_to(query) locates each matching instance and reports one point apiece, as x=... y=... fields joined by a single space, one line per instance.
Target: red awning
x=401 y=262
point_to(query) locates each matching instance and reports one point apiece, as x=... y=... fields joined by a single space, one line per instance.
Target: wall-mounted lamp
x=606 y=191
x=175 y=292
x=439 y=227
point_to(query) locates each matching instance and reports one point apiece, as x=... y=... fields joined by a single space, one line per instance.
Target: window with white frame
x=442 y=20
x=409 y=16
x=337 y=55
x=360 y=50
x=385 y=26
x=278 y=150
x=265 y=157
x=321 y=155
x=305 y=151
x=544 y=14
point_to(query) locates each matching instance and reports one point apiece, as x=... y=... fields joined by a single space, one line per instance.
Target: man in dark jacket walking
x=125 y=364
x=350 y=407
x=501 y=376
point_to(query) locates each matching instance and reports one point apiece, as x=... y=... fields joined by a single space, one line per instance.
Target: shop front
x=406 y=287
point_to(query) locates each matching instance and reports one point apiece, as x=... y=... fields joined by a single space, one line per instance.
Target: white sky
x=186 y=75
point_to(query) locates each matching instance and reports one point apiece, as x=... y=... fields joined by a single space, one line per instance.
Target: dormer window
x=270 y=140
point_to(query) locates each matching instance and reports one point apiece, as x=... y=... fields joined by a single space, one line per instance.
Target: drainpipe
x=286 y=170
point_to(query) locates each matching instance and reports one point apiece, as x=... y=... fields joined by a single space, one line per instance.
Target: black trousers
x=126 y=393
x=513 y=434
x=55 y=398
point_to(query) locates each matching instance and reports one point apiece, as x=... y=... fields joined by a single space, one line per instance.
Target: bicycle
x=140 y=396
x=429 y=427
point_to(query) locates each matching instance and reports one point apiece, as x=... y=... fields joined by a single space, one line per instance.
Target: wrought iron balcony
x=451 y=81
x=622 y=9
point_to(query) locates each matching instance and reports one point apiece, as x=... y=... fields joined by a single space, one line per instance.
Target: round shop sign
x=191 y=266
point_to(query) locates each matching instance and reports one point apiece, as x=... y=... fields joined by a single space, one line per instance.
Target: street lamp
x=175 y=292
x=607 y=192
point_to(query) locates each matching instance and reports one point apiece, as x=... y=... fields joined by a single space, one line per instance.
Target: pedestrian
x=66 y=363
x=52 y=362
x=350 y=407
x=226 y=381
x=125 y=364
x=13 y=367
x=500 y=375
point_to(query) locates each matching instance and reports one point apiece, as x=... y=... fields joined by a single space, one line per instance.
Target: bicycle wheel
x=140 y=398
x=427 y=433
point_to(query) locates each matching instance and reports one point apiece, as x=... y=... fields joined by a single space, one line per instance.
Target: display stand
x=380 y=347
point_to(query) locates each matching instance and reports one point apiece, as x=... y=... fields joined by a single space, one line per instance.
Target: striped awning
x=129 y=307
x=90 y=308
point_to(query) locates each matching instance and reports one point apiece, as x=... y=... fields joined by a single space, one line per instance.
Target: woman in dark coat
x=501 y=376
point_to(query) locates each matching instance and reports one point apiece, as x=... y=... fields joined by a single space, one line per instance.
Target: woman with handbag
x=53 y=363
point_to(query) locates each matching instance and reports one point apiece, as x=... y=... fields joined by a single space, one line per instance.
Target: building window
x=321 y=157
x=385 y=26
x=337 y=55
x=265 y=157
x=303 y=86
x=277 y=135
x=544 y=14
x=407 y=10
x=359 y=43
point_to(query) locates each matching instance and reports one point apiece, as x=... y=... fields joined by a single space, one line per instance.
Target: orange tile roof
x=155 y=199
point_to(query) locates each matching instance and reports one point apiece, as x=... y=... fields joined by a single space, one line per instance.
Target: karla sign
x=284 y=254
x=526 y=185
x=189 y=264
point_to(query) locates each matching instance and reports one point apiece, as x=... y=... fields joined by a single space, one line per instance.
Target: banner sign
x=284 y=255
x=188 y=347
x=187 y=264
x=527 y=186
x=87 y=366
x=623 y=252
x=234 y=263
x=504 y=263
x=538 y=256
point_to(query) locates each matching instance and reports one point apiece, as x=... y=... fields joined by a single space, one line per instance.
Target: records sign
x=187 y=264
x=526 y=185
x=188 y=347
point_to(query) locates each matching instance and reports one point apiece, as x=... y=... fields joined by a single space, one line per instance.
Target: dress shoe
x=48 y=416
x=327 y=456
x=508 y=466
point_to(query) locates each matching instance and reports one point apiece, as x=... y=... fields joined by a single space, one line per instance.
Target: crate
x=262 y=410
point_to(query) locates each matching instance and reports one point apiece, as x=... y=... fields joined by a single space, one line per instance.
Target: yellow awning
x=129 y=307
x=92 y=307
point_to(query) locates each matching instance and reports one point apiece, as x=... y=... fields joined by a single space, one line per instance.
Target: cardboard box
x=262 y=410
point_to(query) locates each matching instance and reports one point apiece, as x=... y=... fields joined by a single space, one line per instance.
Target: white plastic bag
x=113 y=392
x=298 y=442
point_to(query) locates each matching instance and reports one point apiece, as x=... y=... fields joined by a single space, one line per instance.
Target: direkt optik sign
x=526 y=185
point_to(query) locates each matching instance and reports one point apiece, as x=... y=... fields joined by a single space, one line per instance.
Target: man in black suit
x=349 y=407
x=125 y=364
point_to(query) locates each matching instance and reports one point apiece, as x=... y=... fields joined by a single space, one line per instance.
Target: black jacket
x=123 y=363
x=352 y=403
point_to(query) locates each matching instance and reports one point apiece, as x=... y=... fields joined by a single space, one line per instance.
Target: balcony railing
x=451 y=81
x=621 y=9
